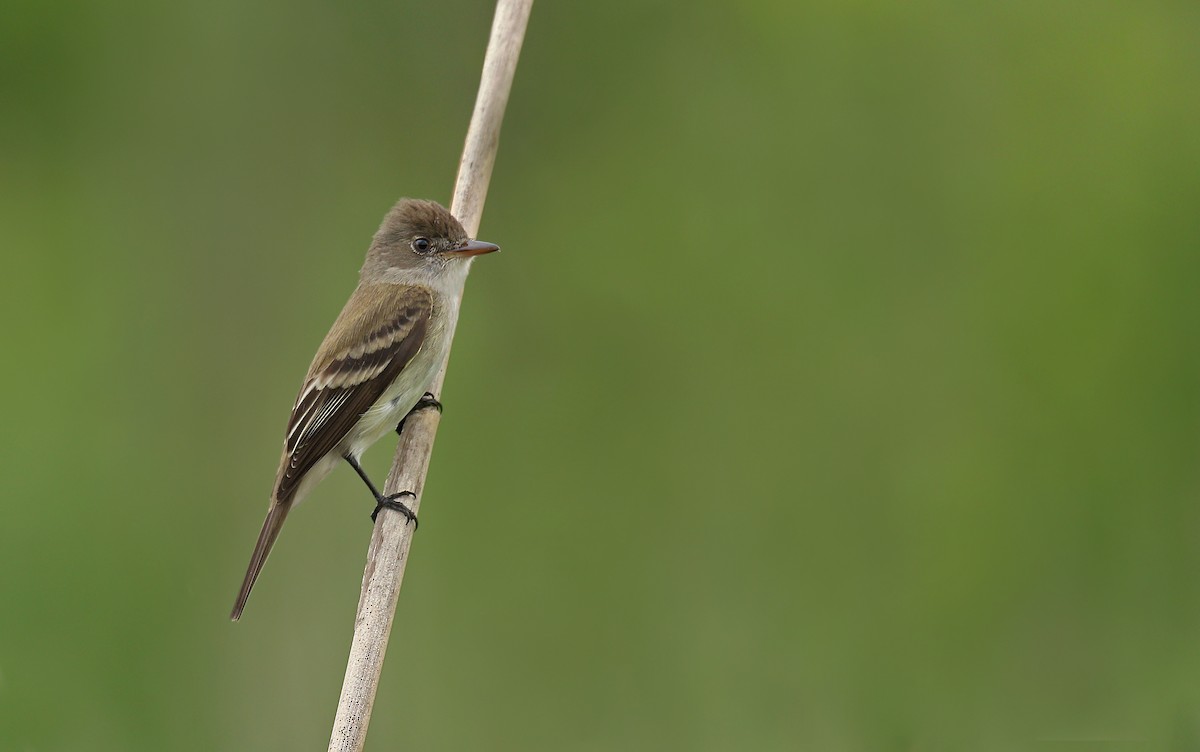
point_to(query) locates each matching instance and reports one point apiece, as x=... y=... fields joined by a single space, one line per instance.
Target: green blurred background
x=838 y=387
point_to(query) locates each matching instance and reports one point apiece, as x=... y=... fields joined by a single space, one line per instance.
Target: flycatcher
x=377 y=361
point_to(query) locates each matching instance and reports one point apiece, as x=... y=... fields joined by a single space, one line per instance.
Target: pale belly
x=380 y=419
x=399 y=398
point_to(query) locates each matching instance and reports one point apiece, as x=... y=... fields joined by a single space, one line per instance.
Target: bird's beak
x=471 y=248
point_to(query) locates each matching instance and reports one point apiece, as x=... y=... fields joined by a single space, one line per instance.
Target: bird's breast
x=413 y=381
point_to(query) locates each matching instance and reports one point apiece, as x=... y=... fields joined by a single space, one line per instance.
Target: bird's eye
x=421 y=245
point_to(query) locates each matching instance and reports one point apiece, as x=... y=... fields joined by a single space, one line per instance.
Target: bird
x=376 y=364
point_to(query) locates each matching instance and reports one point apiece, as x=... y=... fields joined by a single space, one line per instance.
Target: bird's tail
x=266 y=538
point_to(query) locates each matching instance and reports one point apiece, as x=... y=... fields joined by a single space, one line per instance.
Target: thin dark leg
x=426 y=401
x=382 y=501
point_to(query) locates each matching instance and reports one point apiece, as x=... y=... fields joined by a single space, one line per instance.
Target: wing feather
x=377 y=334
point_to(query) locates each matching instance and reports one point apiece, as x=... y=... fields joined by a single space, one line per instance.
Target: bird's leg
x=381 y=501
x=426 y=401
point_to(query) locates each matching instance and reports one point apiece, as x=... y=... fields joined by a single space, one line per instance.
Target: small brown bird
x=377 y=361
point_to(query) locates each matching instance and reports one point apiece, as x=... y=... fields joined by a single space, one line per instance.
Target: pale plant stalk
x=392 y=538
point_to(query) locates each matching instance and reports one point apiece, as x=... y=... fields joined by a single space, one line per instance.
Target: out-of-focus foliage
x=838 y=387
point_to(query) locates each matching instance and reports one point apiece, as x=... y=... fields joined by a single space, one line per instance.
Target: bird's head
x=421 y=238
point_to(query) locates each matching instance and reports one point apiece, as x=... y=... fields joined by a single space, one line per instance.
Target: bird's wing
x=378 y=332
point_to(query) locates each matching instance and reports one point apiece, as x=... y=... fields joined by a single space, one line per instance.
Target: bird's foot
x=427 y=401
x=393 y=502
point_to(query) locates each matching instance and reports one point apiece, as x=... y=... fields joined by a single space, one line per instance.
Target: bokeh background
x=838 y=387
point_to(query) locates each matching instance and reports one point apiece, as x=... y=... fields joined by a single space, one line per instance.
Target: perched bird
x=377 y=362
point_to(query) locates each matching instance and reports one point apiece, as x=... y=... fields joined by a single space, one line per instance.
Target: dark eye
x=421 y=245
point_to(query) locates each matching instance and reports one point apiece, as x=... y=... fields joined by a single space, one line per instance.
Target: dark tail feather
x=266 y=539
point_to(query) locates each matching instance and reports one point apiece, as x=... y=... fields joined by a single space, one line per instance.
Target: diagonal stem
x=391 y=538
